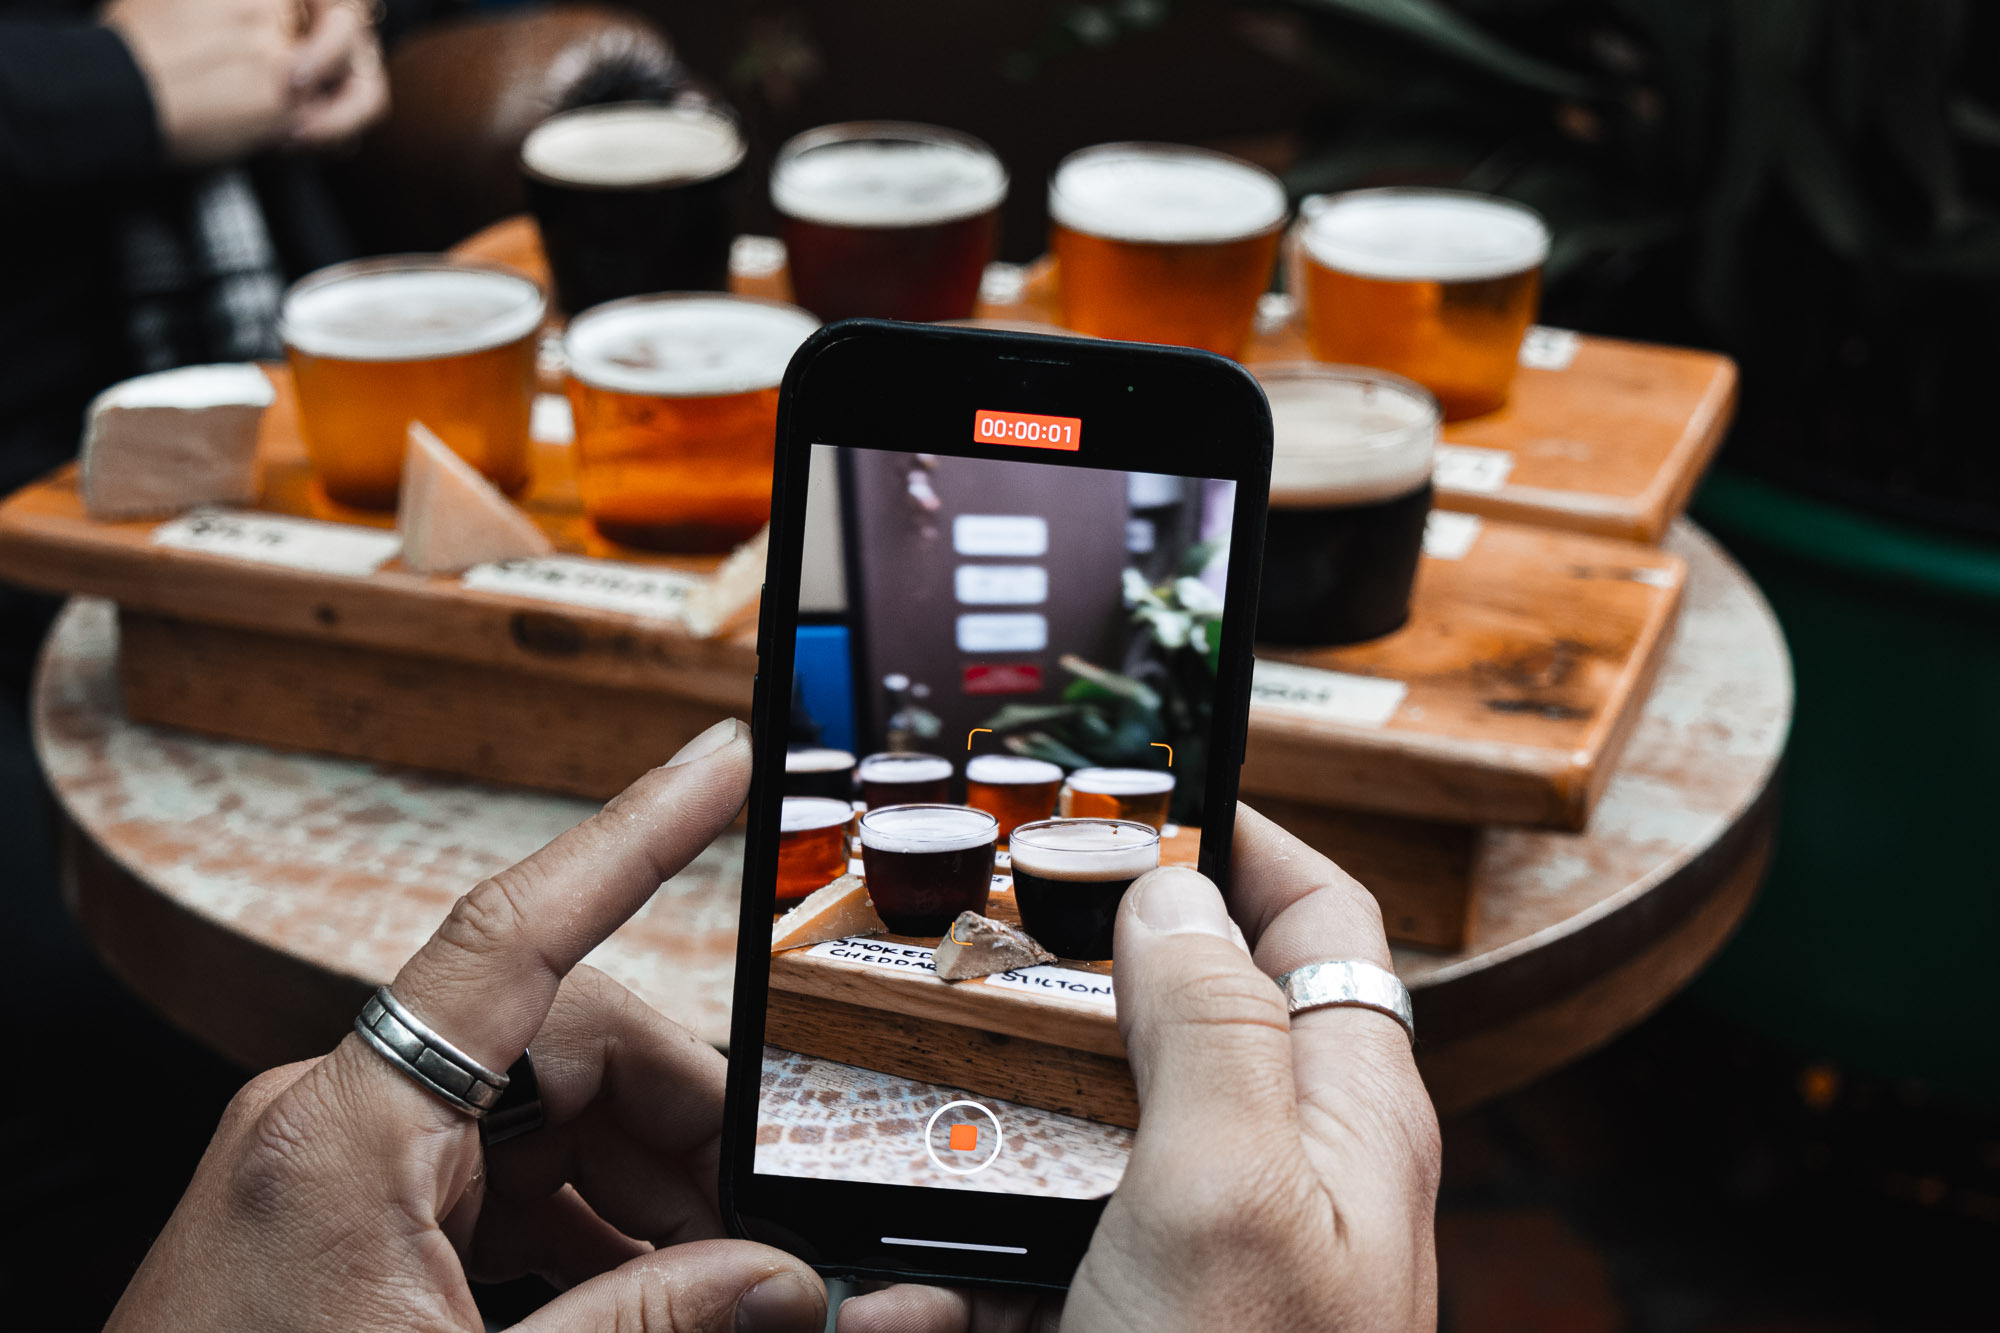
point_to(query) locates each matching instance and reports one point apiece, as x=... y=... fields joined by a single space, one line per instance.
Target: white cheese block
x=451 y=517
x=979 y=946
x=730 y=594
x=835 y=912
x=162 y=443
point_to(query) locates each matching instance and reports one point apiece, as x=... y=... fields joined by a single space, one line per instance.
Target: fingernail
x=708 y=742
x=1173 y=901
x=782 y=1304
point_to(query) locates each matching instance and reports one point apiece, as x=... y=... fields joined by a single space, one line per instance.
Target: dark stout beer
x=818 y=772
x=927 y=863
x=1070 y=875
x=904 y=779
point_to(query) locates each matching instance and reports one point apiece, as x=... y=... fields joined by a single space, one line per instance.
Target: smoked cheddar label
x=344 y=549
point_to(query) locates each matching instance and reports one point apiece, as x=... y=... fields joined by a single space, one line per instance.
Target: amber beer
x=1138 y=794
x=904 y=779
x=1071 y=874
x=1012 y=788
x=1439 y=286
x=379 y=343
x=1350 y=493
x=927 y=863
x=812 y=845
x=676 y=406
x=819 y=772
x=888 y=219
x=1162 y=243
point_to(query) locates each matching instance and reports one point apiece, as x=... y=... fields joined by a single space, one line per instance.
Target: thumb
x=732 y=1286
x=1206 y=1031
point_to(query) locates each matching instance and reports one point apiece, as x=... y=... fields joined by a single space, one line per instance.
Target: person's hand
x=1285 y=1173
x=338 y=1194
x=338 y=74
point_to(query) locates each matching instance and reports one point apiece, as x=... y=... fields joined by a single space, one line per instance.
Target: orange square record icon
x=964 y=1138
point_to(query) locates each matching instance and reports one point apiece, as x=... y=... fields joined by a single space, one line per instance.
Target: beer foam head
x=408 y=309
x=1004 y=769
x=928 y=828
x=904 y=768
x=885 y=175
x=1345 y=435
x=686 y=346
x=1121 y=781
x=632 y=144
x=1164 y=193
x=801 y=814
x=1085 y=849
x=817 y=761
x=1424 y=235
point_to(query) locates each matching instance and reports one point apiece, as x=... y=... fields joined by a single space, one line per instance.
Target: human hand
x=338 y=1194
x=338 y=73
x=1285 y=1173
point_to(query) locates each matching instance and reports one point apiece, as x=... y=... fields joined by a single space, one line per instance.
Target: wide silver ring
x=432 y=1062
x=1350 y=983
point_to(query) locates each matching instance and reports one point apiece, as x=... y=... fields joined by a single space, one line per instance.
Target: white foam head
x=1085 y=849
x=632 y=144
x=883 y=174
x=1121 y=781
x=904 y=768
x=817 y=761
x=802 y=814
x=406 y=309
x=1164 y=193
x=1400 y=235
x=1008 y=769
x=685 y=346
x=928 y=828
x=1345 y=435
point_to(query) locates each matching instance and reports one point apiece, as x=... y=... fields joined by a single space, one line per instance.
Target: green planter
x=1874 y=940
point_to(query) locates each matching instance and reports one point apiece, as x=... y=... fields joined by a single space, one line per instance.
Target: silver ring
x=1350 y=983
x=437 y=1066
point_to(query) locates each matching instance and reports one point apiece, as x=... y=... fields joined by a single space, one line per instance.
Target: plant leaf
x=1122 y=686
x=1451 y=34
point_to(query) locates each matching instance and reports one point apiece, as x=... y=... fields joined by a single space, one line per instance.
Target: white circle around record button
x=959 y=1143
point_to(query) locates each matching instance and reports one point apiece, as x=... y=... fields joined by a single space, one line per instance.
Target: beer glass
x=676 y=406
x=927 y=863
x=904 y=779
x=379 y=343
x=812 y=845
x=1071 y=874
x=1138 y=794
x=888 y=219
x=633 y=198
x=819 y=772
x=1013 y=788
x=1350 y=490
x=1161 y=243
x=1436 y=285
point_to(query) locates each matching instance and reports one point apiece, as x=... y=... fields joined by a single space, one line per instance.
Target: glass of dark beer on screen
x=891 y=220
x=927 y=863
x=1013 y=788
x=904 y=778
x=1142 y=795
x=1350 y=492
x=633 y=198
x=812 y=845
x=815 y=771
x=1071 y=874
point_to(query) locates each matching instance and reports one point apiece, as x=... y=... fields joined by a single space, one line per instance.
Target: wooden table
x=255 y=896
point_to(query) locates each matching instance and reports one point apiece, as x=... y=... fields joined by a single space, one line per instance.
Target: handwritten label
x=999 y=632
x=877 y=953
x=1549 y=349
x=609 y=585
x=1069 y=983
x=1325 y=696
x=1466 y=467
x=1449 y=535
x=1000 y=534
x=1000 y=585
x=271 y=539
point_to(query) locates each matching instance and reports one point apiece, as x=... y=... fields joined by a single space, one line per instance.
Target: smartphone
x=1012 y=580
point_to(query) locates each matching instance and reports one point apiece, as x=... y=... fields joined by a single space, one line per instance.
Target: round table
x=254 y=897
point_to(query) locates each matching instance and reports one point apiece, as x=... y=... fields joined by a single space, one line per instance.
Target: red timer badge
x=1027 y=430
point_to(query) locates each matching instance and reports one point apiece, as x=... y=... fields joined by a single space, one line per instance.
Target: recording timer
x=1027 y=430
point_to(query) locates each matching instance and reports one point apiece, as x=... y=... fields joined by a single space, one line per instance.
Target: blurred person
x=1284 y=1175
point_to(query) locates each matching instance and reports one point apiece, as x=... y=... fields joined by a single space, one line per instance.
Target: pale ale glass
x=927 y=863
x=676 y=406
x=1142 y=795
x=1161 y=243
x=812 y=845
x=379 y=343
x=1013 y=788
x=1071 y=874
x=1439 y=286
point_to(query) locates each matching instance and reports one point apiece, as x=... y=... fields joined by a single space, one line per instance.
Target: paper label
x=1000 y=534
x=1325 y=696
x=1001 y=585
x=1449 y=535
x=609 y=585
x=551 y=421
x=1067 y=982
x=999 y=632
x=1466 y=467
x=272 y=539
x=1545 y=348
x=877 y=953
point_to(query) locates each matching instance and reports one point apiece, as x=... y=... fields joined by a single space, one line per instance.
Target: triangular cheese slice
x=835 y=912
x=452 y=518
x=979 y=946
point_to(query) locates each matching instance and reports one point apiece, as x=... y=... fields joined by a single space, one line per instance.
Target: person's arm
x=75 y=110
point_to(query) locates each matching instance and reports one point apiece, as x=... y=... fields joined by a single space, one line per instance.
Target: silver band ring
x=1349 y=983
x=432 y=1062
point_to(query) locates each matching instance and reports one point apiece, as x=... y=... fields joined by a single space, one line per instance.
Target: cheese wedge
x=452 y=518
x=840 y=909
x=979 y=946
x=730 y=594
x=159 y=444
